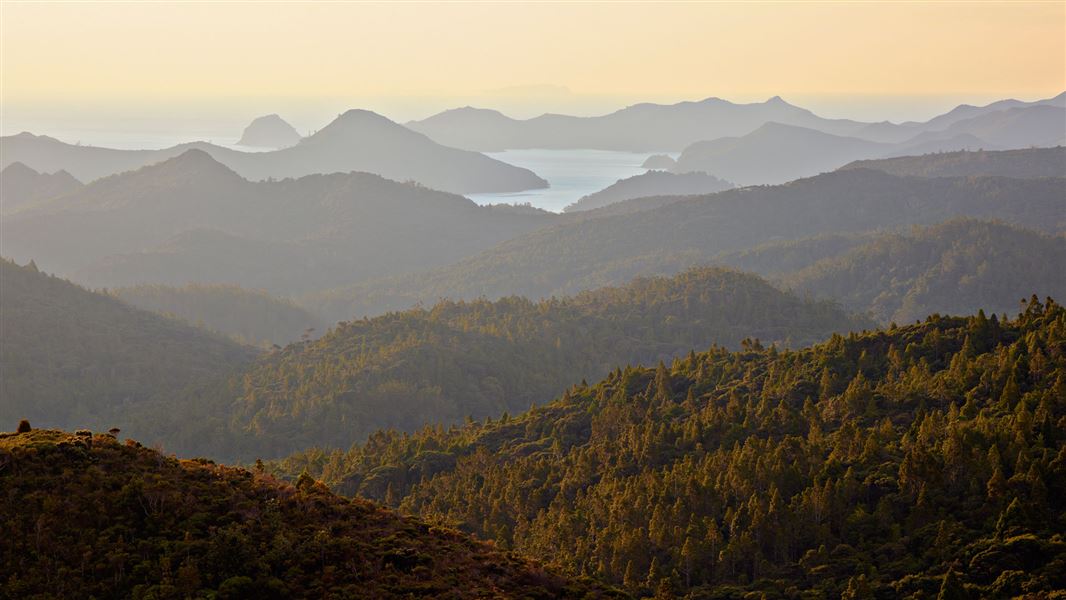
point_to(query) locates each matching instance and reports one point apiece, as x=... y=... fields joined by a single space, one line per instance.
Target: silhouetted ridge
x=649 y=127
x=194 y=172
x=287 y=235
x=357 y=140
x=356 y=122
x=22 y=186
x=775 y=153
x=17 y=169
x=270 y=131
x=659 y=161
x=194 y=162
x=693 y=230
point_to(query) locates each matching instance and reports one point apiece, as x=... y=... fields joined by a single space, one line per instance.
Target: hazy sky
x=210 y=64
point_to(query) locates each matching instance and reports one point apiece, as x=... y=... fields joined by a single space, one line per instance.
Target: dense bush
x=461 y=359
x=896 y=463
x=110 y=520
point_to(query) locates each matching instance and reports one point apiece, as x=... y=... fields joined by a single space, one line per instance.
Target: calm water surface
x=571 y=173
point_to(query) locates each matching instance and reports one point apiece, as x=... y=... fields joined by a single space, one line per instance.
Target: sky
x=208 y=66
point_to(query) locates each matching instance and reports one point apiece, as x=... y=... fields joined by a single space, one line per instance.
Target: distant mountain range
x=357 y=140
x=637 y=128
x=760 y=143
x=967 y=111
x=1019 y=127
x=680 y=232
x=656 y=127
x=21 y=186
x=776 y=153
x=192 y=219
x=757 y=143
x=270 y=131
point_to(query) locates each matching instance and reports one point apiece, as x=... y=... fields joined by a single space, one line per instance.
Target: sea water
x=570 y=173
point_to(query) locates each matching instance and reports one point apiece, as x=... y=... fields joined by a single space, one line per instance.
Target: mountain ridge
x=778 y=152
x=681 y=232
x=316 y=227
x=22 y=186
x=71 y=357
x=441 y=363
x=389 y=149
x=660 y=127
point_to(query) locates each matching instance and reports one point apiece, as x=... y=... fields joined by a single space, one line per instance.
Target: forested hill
x=904 y=463
x=482 y=359
x=607 y=251
x=249 y=316
x=1025 y=163
x=89 y=517
x=74 y=358
x=953 y=268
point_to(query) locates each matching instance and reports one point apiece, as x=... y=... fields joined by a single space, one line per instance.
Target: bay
x=570 y=173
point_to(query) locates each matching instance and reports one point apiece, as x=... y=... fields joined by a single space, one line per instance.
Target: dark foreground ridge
x=87 y=516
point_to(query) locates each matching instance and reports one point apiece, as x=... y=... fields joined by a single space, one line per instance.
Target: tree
x=858 y=589
x=305 y=481
x=951 y=588
x=711 y=471
x=688 y=554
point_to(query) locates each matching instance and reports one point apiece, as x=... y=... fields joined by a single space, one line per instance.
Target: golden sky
x=228 y=54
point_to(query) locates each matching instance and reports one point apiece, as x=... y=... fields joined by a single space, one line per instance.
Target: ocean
x=571 y=174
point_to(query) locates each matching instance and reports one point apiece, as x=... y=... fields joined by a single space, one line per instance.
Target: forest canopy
x=893 y=463
x=455 y=360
